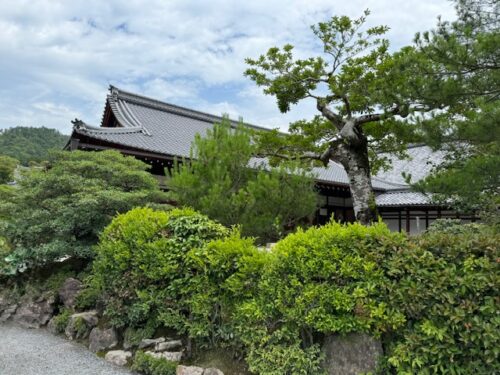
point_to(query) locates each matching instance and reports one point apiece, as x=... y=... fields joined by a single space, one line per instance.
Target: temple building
x=158 y=133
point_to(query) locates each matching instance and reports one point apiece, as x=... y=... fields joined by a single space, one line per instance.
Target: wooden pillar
x=407 y=221
x=399 y=221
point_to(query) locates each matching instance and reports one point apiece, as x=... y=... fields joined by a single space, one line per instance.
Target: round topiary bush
x=142 y=268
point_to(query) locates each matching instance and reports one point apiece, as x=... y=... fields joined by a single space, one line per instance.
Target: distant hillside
x=30 y=144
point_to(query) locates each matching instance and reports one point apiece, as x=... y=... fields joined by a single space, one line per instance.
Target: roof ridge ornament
x=113 y=91
x=78 y=124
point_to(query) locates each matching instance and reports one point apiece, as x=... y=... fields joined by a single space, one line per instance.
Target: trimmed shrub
x=142 y=266
x=321 y=281
x=432 y=299
x=148 y=365
x=446 y=283
x=226 y=272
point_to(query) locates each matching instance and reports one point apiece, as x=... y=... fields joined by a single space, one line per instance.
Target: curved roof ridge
x=131 y=114
x=117 y=93
x=121 y=106
x=131 y=119
x=81 y=126
x=124 y=115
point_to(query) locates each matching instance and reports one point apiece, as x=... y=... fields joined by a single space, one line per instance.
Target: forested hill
x=30 y=144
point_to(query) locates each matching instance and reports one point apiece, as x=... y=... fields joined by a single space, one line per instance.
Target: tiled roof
x=402 y=198
x=151 y=125
x=335 y=173
x=418 y=165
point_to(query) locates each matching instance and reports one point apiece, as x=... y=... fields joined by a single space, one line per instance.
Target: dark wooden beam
x=407 y=221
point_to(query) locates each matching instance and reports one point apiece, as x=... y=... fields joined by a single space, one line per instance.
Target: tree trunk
x=354 y=159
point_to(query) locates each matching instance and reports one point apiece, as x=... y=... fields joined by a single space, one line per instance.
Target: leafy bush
x=142 y=267
x=321 y=281
x=133 y=336
x=148 y=365
x=61 y=320
x=226 y=272
x=285 y=358
x=454 y=226
x=432 y=298
x=87 y=299
x=440 y=225
x=446 y=283
x=59 y=211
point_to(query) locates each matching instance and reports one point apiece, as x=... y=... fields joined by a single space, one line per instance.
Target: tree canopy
x=464 y=64
x=443 y=91
x=30 y=144
x=362 y=93
x=223 y=181
x=59 y=210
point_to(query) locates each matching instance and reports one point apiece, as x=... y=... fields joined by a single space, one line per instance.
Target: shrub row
x=432 y=299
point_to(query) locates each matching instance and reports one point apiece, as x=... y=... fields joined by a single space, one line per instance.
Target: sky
x=58 y=58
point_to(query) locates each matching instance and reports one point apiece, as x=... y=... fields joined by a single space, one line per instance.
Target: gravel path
x=38 y=352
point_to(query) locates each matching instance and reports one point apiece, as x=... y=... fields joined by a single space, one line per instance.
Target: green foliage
x=226 y=272
x=451 y=182
x=143 y=270
x=175 y=270
x=61 y=320
x=88 y=298
x=80 y=327
x=289 y=358
x=54 y=281
x=322 y=281
x=446 y=283
x=148 y=365
x=133 y=336
x=7 y=168
x=455 y=226
x=356 y=83
x=342 y=41
x=5 y=251
x=364 y=96
x=30 y=144
x=219 y=182
x=59 y=211
x=432 y=299
x=465 y=74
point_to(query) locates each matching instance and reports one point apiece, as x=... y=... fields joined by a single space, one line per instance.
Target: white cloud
x=67 y=53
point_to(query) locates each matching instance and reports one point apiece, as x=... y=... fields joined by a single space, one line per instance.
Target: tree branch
x=347 y=106
x=329 y=154
x=306 y=156
x=322 y=106
x=379 y=116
